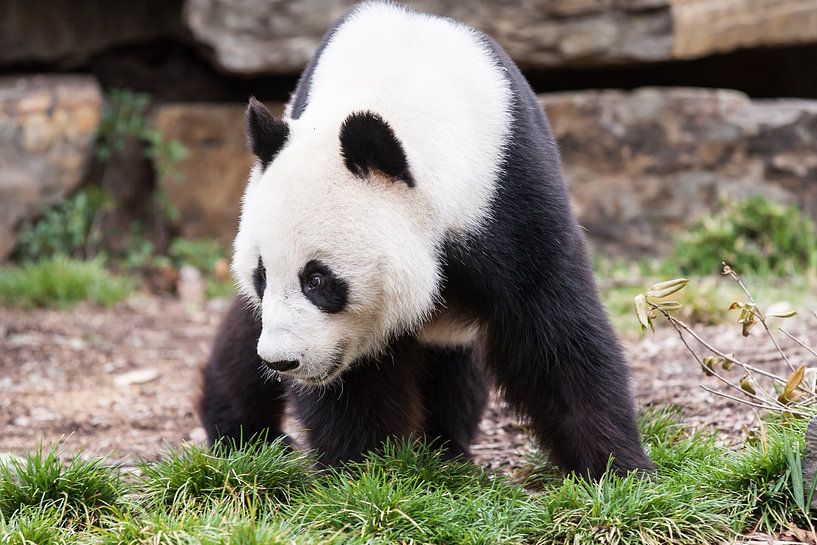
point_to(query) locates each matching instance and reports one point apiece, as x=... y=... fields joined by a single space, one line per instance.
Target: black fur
x=526 y=280
x=378 y=399
x=267 y=135
x=368 y=143
x=409 y=391
x=455 y=391
x=236 y=402
x=259 y=278
x=548 y=341
x=332 y=294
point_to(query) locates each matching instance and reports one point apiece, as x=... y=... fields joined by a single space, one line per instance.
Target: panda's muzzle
x=283 y=365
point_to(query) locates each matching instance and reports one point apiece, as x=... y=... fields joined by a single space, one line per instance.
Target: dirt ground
x=122 y=382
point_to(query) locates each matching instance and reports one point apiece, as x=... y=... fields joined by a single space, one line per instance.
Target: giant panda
x=406 y=240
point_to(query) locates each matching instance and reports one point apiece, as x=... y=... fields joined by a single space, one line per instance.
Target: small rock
x=42 y=415
x=75 y=343
x=222 y=269
x=198 y=435
x=191 y=287
x=22 y=421
x=139 y=376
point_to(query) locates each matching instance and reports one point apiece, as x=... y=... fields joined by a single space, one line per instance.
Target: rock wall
x=252 y=37
x=69 y=32
x=279 y=36
x=640 y=165
x=47 y=130
x=704 y=27
x=207 y=189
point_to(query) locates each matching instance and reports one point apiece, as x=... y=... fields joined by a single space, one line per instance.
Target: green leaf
x=664 y=289
x=746 y=385
x=642 y=313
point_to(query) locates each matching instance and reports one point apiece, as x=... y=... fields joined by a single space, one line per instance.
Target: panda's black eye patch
x=259 y=278
x=323 y=288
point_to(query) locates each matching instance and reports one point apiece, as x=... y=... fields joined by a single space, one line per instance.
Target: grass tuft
x=255 y=470
x=60 y=282
x=80 y=489
x=34 y=525
x=767 y=478
x=410 y=493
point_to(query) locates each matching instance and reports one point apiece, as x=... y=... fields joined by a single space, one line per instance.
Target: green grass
x=60 y=282
x=757 y=236
x=77 y=491
x=194 y=474
x=701 y=493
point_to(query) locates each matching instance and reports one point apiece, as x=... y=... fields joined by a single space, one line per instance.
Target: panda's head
x=336 y=248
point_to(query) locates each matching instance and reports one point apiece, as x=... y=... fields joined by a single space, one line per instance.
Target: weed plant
x=70 y=228
x=755 y=236
x=61 y=282
x=125 y=117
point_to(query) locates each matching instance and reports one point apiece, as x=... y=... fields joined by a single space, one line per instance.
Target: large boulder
x=207 y=184
x=704 y=27
x=641 y=165
x=47 y=129
x=279 y=36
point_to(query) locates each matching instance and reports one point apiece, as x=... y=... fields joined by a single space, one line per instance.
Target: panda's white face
x=336 y=264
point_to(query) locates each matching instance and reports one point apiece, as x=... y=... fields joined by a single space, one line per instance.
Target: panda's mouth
x=321 y=380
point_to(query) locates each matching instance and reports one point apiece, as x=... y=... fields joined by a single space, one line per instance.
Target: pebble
x=22 y=421
x=191 y=287
x=198 y=435
x=139 y=376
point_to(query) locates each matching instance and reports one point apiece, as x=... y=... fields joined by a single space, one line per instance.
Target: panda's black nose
x=284 y=365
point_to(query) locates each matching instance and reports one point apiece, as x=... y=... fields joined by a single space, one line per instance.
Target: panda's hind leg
x=237 y=401
x=455 y=391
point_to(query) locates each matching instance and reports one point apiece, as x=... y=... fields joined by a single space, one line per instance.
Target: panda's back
x=436 y=82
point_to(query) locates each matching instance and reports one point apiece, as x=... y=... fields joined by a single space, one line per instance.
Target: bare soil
x=122 y=382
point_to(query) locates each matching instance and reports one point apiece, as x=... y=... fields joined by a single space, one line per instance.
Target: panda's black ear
x=368 y=143
x=266 y=134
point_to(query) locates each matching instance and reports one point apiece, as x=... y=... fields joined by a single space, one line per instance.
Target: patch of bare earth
x=123 y=381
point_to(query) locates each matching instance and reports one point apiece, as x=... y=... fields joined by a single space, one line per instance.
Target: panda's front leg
x=376 y=399
x=559 y=364
x=237 y=402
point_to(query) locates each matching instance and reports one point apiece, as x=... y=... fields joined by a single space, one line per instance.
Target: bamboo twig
x=798 y=341
x=756 y=311
x=757 y=405
x=770 y=400
x=748 y=367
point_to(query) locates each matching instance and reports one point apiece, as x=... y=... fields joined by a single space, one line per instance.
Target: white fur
x=448 y=103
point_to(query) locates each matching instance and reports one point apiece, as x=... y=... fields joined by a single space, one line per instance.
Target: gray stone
x=641 y=165
x=47 y=129
x=261 y=36
x=279 y=36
